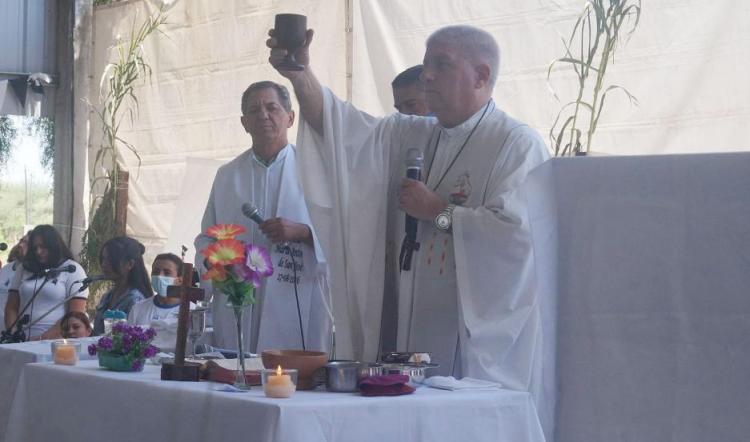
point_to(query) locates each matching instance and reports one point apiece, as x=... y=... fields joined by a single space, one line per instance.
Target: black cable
x=296 y=296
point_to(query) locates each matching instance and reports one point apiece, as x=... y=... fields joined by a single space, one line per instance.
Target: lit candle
x=65 y=353
x=278 y=384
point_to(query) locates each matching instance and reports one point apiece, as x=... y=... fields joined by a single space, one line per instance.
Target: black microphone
x=86 y=282
x=413 y=163
x=253 y=213
x=70 y=268
x=3 y=246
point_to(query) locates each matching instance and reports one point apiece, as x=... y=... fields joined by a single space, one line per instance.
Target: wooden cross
x=179 y=370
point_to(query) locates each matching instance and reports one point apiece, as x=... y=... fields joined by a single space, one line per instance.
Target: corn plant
x=588 y=51
x=117 y=98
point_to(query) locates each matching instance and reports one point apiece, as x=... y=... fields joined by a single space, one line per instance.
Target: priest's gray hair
x=476 y=45
x=281 y=91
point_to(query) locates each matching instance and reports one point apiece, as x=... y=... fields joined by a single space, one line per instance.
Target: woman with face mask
x=161 y=312
x=121 y=259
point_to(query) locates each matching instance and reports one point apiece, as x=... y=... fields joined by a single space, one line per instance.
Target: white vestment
x=273 y=322
x=469 y=298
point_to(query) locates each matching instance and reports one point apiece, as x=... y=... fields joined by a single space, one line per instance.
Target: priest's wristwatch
x=444 y=220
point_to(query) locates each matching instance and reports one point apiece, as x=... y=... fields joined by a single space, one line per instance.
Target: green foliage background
x=13 y=212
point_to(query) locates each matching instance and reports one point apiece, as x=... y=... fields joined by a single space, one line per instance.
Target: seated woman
x=160 y=311
x=46 y=277
x=8 y=272
x=75 y=325
x=121 y=259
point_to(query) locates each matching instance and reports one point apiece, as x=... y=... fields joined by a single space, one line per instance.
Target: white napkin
x=451 y=383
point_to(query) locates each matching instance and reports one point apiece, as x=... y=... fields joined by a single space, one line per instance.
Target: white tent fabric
x=643 y=290
x=686 y=63
x=190 y=106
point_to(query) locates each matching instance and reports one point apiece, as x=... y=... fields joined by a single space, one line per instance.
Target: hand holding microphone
x=415 y=198
x=277 y=230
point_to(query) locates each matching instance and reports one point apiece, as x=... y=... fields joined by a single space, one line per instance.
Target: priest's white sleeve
x=344 y=173
x=498 y=312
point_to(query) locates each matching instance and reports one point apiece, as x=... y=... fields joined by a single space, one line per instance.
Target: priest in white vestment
x=469 y=296
x=265 y=176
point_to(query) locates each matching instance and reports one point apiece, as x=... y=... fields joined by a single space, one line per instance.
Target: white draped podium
x=140 y=407
x=644 y=279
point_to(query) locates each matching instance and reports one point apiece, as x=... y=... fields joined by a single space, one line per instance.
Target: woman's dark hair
x=171 y=257
x=58 y=251
x=122 y=249
x=83 y=317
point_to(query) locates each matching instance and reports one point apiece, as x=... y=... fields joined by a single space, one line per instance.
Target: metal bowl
x=406 y=357
x=342 y=376
x=366 y=370
x=416 y=372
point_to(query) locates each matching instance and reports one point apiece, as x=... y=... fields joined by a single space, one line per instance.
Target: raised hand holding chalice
x=290 y=32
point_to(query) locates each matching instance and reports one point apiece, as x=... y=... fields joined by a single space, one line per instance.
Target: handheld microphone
x=253 y=213
x=3 y=246
x=70 y=268
x=414 y=160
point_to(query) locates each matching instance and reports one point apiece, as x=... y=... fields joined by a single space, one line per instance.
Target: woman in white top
x=47 y=270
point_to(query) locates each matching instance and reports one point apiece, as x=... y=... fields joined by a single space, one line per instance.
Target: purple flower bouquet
x=126 y=349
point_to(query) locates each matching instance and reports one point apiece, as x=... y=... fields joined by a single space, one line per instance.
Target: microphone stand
x=67 y=298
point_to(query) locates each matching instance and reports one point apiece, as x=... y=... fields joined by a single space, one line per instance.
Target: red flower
x=225 y=252
x=225 y=231
x=216 y=273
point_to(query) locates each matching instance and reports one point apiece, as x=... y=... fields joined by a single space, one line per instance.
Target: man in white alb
x=265 y=176
x=469 y=296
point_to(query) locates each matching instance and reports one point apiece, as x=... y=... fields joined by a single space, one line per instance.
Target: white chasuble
x=274 y=322
x=469 y=297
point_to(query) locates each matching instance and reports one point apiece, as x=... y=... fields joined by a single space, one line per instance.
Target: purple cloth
x=385 y=385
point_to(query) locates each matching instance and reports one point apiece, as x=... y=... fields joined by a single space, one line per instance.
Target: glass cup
x=278 y=382
x=65 y=352
x=290 y=32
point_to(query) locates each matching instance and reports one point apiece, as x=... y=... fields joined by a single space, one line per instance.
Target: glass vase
x=240 y=380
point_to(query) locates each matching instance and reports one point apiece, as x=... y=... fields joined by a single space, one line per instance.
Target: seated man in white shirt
x=160 y=312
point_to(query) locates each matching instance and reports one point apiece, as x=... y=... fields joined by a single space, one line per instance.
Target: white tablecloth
x=12 y=359
x=88 y=403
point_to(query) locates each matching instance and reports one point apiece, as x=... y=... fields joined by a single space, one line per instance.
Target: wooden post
x=179 y=370
x=121 y=202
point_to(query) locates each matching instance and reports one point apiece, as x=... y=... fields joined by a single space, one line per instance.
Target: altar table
x=86 y=402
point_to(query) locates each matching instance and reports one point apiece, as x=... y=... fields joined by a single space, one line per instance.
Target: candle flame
x=278 y=370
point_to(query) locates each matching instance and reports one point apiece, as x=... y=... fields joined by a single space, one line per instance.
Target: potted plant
x=126 y=348
x=588 y=51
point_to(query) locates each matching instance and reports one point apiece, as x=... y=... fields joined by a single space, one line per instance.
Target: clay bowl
x=306 y=362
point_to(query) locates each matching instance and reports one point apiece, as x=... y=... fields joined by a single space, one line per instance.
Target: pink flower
x=258 y=260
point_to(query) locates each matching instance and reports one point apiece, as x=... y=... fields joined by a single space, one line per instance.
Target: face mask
x=160 y=284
